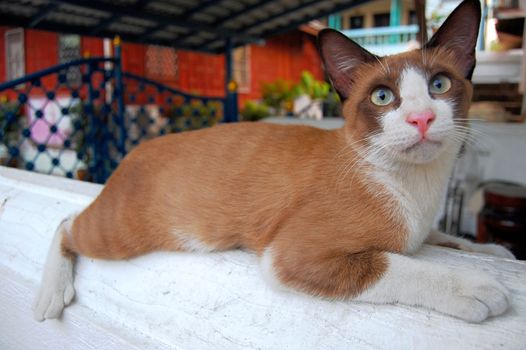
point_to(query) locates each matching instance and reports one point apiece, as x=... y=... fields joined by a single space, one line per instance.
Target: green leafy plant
x=320 y=95
x=308 y=85
x=254 y=111
x=11 y=119
x=278 y=95
x=9 y=127
x=198 y=113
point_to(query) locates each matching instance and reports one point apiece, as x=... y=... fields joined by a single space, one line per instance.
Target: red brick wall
x=91 y=46
x=284 y=56
x=134 y=58
x=202 y=74
x=41 y=50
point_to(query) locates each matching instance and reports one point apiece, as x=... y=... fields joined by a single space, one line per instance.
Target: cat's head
x=407 y=106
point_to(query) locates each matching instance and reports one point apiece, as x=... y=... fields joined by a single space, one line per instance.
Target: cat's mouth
x=423 y=143
x=422 y=151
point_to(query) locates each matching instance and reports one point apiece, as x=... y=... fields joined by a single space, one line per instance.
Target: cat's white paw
x=474 y=297
x=52 y=298
x=56 y=288
x=492 y=249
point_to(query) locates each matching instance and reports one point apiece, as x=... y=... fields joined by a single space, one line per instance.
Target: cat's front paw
x=492 y=249
x=474 y=297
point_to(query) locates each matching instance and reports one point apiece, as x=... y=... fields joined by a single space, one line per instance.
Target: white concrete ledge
x=214 y=301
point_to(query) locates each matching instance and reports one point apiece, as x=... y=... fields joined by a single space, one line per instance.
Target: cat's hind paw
x=476 y=297
x=50 y=303
x=56 y=288
x=52 y=299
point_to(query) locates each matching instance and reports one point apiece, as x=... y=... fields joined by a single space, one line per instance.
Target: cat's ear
x=459 y=35
x=340 y=56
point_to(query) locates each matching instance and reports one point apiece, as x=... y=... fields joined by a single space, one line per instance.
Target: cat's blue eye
x=439 y=84
x=382 y=96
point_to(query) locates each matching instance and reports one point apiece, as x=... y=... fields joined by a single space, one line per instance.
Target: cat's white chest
x=419 y=213
x=417 y=193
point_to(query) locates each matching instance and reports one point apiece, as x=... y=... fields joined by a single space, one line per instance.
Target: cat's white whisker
x=469 y=119
x=348 y=147
x=353 y=166
x=471 y=134
x=385 y=69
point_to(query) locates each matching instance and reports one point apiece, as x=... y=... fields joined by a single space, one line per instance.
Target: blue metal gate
x=79 y=119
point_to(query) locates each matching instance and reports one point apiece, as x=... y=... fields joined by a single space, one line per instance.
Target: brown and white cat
x=331 y=213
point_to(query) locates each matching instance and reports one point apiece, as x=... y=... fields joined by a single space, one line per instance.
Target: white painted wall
x=212 y=301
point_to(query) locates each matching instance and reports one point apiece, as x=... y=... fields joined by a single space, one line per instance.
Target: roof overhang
x=186 y=24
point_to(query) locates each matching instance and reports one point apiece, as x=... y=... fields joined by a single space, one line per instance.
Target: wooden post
x=230 y=85
x=420 y=9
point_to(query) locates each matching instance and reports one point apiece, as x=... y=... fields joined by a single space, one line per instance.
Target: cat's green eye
x=382 y=96
x=439 y=84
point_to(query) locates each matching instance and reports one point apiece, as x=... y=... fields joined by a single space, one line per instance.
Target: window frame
x=8 y=62
x=242 y=86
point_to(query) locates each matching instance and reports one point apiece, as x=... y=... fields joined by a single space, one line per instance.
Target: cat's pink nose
x=421 y=120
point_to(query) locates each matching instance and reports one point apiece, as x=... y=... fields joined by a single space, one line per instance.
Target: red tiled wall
x=41 y=50
x=282 y=57
x=134 y=58
x=91 y=46
x=201 y=74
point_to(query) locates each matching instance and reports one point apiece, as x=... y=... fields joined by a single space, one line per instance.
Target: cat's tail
x=56 y=287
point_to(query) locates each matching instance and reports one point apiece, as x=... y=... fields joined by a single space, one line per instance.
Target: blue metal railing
x=181 y=111
x=383 y=35
x=58 y=68
x=82 y=128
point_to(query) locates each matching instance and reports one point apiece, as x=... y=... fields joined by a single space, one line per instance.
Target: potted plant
x=310 y=95
x=254 y=111
x=278 y=95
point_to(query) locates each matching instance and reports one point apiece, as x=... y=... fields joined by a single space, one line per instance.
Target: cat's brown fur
x=327 y=217
x=290 y=189
x=280 y=185
x=279 y=188
x=332 y=213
